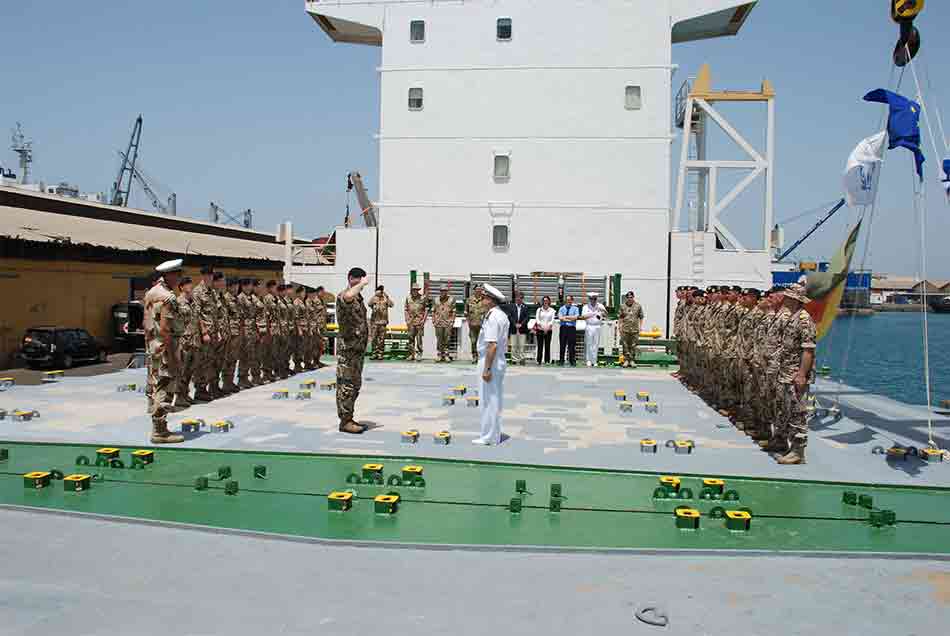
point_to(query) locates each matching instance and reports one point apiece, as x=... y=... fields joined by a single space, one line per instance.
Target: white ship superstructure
x=531 y=140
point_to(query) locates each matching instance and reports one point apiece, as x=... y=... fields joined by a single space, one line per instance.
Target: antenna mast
x=24 y=149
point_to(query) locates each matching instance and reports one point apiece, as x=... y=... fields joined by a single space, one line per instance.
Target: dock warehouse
x=66 y=262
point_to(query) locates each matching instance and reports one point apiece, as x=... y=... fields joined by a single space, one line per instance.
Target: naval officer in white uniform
x=593 y=314
x=492 y=347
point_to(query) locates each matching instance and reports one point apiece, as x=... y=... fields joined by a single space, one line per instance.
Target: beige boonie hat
x=796 y=291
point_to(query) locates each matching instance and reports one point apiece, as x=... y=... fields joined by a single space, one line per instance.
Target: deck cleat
x=308 y=385
x=670 y=484
x=7 y=383
x=472 y=401
x=738 y=520
x=328 y=386
x=648 y=446
x=50 y=377
x=340 y=501
x=143 y=457
x=687 y=518
x=192 y=425
x=620 y=396
x=897 y=453
x=386 y=504
x=626 y=407
x=77 y=482
x=409 y=473
x=22 y=415
x=260 y=471
x=554 y=505
x=521 y=486
x=515 y=505
x=372 y=470
x=221 y=426
x=442 y=437
x=931 y=455
x=231 y=487
x=36 y=480
x=410 y=437
x=281 y=394
x=459 y=390
x=556 y=491
x=304 y=395
x=715 y=485
x=652 y=407
x=643 y=396
x=683 y=447
x=125 y=388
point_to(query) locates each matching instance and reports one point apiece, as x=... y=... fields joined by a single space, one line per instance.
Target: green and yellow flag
x=826 y=288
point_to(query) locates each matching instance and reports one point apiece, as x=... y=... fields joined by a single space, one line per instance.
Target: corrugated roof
x=893 y=283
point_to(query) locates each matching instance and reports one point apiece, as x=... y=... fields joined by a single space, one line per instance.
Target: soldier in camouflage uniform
x=288 y=327
x=628 y=321
x=744 y=348
x=188 y=343
x=351 y=348
x=773 y=341
x=379 y=306
x=475 y=314
x=235 y=347
x=796 y=361
x=205 y=307
x=443 y=319
x=320 y=308
x=219 y=376
x=310 y=346
x=416 y=312
x=161 y=309
x=269 y=353
x=761 y=429
x=263 y=333
x=300 y=328
x=247 y=362
x=712 y=349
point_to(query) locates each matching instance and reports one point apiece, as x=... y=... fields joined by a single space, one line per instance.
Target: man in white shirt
x=492 y=347
x=593 y=315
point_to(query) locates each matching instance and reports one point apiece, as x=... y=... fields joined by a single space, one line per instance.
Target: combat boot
x=182 y=399
x=161 y=434
x=795 y=456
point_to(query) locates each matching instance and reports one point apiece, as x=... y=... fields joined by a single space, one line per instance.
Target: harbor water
x=884 y=354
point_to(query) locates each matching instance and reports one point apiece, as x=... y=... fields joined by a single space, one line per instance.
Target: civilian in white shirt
x=543 y=329
x=492 y=347
x=593 y=315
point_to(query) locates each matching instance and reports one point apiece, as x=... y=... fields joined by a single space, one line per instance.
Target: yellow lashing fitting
x=144 y=456
x=683 y=447
x=460 y=389
x=37 y=479
x=328 y=386
x=408 y=472
x=643 y=396
x=652 y=407
x=471 y=400
x=442 y=437
x=341 y=501
x=626 y=407
x=107 y=453
x=410 y=436
x=77 y=483
x=672 y=484
x=716 y=485
x=647 y=445
x=308 y=384
x=687 y=518
x=448 y=400
x=620 y=396
x=191 y=425
x=738 y=520
x=386 y=504
x=221 y=426
x=931 y=455
x=371 y=470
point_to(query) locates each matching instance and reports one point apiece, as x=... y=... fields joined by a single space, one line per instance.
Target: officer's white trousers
x=591 y=342
x=490 y=400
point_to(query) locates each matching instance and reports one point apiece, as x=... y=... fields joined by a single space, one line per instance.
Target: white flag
x=863 y=170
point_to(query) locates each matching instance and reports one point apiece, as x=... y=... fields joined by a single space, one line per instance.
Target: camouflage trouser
x=745 y=385
x=349 y=380
x=203 y=365
x=296 y=351
x=183 y=385
x=220 y=361
x=320 y=343
x=768 y=399
x=157 y=391
x=415 y=341
x=379 y=338
x=282 y=355
x=247 y=364
x=728 y=380
x=791 y=422
x=443 y=336
x=232 y=353
x=628 y=342
x=473 y=331
x=265 y=357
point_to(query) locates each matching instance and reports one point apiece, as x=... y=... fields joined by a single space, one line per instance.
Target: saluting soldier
x=416 y=312
x=443 y=319
x=161 y=309
x=475 y=314
x=189 y=343
x=796 y=361
x=351 y=348
x=206 y=309
x=379 y=306
x=629 y=320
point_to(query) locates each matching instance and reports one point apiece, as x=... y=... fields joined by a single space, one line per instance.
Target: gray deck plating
x=553 y=416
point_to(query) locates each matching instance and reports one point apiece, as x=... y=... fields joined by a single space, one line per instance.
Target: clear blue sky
x=249 y=104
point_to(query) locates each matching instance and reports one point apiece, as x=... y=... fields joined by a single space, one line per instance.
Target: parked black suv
x=59 y=347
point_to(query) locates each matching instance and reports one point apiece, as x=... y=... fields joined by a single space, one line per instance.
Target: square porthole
x=501 y=168
x=499 y=237
x=415 y=98
x=632 y=97
x=417 y=31
x=503 y=29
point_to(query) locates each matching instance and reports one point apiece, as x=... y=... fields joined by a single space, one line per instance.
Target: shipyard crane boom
x=821 y=221
x=142 y=181
x=120 y=192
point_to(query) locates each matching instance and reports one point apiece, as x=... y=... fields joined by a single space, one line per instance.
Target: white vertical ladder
x=698 y=258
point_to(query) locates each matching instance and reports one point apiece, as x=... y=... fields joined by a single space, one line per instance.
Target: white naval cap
x=492 y=291
x=174 y=265
x=592 y=294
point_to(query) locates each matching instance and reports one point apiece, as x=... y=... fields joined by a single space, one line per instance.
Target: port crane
x=164 y=208
x=122 y=187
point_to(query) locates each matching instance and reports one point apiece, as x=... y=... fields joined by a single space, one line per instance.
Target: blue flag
x=903 y=123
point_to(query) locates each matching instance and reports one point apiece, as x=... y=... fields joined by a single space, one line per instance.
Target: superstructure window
x=502 y=168
x=417 y=31
x=632 y=98
x=499 y=237
x=415 y=98
x=503 y=29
